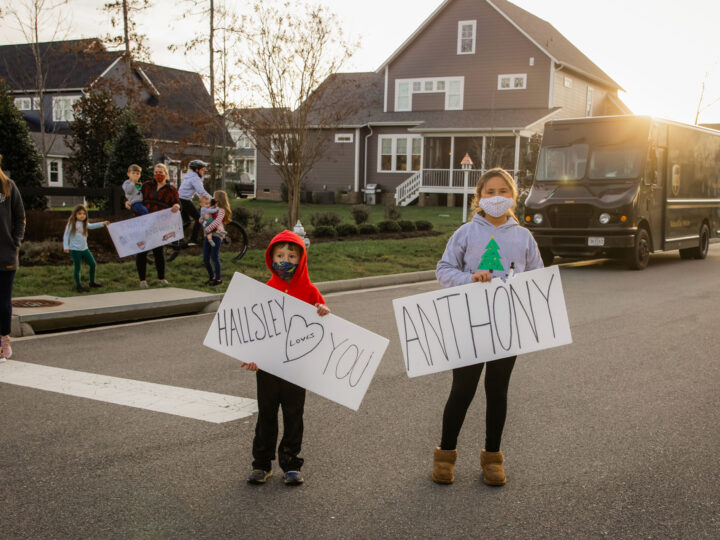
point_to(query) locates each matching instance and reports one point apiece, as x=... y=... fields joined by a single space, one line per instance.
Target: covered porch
x=441 y=171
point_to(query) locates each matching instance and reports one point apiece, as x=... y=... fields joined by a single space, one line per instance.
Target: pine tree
x=20 y=159
x=491 y=257
x=130 y=148
x=96 y=124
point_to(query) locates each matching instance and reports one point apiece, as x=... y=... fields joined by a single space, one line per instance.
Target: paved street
x=613 y=436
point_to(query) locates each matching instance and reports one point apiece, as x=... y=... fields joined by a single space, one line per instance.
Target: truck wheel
x=701 y=251
x=547 y=256
x=637 y=257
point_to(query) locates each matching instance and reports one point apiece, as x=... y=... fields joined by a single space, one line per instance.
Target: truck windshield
x=615 y=161
x=562 y=162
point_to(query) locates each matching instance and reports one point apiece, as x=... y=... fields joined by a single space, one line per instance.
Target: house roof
x=540 y=32
x=73 y=64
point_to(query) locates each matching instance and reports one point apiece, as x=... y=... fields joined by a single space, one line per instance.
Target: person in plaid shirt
x=158 y=194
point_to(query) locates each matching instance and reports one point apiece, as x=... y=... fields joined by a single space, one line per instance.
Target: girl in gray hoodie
x=492 y=244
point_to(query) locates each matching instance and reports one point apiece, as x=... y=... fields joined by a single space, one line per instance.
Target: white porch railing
x=409 y=190
x=437 y=181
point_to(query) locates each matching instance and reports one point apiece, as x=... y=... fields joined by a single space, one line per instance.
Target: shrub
x=346 y=229
x=45 y=252
x=389 y=226
x=392 y=213
x=367 y=228
x=241 y=215
x=256 y=222
x=423 y=225
x=324 y=231
x=328 y=219
x=407 y=226
x=360 y=213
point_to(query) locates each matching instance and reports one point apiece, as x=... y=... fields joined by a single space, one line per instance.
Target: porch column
x=516 y=165
x=451 y=196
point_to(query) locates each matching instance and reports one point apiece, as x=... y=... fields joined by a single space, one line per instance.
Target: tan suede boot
x=492 y=467
x=444 y=466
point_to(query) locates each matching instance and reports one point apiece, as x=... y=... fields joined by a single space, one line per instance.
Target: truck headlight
x=538 y=219
x=604 y=218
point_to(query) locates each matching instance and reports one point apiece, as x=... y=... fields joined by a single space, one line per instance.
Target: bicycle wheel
x=236 y=239
x=171 y=252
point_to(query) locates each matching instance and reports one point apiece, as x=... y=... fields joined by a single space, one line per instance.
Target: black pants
x=7 y=278
x=273 y=392
x=141 y=263
x=189 y=211
x=464 y=385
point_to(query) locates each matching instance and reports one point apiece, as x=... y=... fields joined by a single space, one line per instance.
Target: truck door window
x=615 y=161
x=562 y=162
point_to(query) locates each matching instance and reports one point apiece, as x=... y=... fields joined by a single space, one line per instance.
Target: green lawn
x=327 y=260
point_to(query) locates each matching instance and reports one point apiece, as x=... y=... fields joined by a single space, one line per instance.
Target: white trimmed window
x=344 y=137
x=399 y=153
x=22 y=103
x=451 y=87
x=567 y=82
x=63 y=108
x=282 y=150
x=517 y=81
x=466 y=37
x=55 y=173
x=36 y=104
x=589 y=101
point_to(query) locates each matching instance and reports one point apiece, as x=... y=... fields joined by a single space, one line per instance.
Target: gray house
x=183 y=114
x=478 y=77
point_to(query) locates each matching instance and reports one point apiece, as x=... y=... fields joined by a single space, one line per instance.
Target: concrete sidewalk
x=52 y=314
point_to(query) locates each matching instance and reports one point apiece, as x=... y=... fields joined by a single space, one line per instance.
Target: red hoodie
x=299 y=286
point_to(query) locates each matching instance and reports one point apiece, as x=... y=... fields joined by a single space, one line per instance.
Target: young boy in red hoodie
x=287 y=260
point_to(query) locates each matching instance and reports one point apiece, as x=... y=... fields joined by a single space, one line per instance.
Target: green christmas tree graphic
x=491 y=257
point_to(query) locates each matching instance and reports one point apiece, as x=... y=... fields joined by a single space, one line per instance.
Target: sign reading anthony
x=147 y=232
x=286 y=337
x=478 y=322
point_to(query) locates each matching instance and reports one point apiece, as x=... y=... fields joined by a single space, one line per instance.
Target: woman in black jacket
x=12 y=230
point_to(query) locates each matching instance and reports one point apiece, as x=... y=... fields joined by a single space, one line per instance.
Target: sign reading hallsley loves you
x=479 y=322
x=147 y=232
x=286 y=337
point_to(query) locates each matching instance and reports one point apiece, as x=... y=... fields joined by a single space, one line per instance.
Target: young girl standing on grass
x=75 y=243
x=211 y=250
x=471 y=255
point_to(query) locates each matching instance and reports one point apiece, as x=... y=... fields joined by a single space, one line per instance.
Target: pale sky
x=659 y=51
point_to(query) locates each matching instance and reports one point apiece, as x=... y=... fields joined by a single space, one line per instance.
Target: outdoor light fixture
x=538 y=219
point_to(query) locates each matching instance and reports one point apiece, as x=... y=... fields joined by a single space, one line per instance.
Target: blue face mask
x=284 y=269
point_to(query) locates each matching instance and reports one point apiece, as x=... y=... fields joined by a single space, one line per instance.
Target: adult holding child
x=471 y=256
x=192 y=186
x=158 y=194
x=12 y=231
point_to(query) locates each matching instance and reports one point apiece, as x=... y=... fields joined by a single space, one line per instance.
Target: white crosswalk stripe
x=197 y=404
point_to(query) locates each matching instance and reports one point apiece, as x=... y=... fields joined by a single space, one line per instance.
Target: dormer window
x=466 y=37
x=452 y=87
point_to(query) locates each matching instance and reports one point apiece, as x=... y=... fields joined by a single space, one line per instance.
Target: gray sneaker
x=258 y=476
x=293 y=478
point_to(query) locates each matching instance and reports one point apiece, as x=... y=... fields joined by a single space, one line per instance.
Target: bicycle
x=236 y=239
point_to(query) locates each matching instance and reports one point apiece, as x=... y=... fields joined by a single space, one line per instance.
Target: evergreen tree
x=129 y=148
x=491 y=257
x=96 y=124
x=20 y=161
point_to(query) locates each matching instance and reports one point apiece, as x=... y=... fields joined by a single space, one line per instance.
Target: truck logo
x=675 y=179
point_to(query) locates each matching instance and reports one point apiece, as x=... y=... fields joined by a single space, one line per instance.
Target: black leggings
x=7 y=278
x=141 y=263
x=189 y=212
x=464 y=385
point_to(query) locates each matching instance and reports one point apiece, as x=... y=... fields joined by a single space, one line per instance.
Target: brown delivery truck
x=624 y=187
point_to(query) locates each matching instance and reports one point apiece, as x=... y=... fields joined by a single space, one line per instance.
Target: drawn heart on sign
x=302 y=338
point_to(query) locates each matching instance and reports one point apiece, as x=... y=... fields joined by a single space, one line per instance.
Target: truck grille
x=571 y=216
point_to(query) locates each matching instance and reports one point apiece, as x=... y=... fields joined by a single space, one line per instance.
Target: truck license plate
x=596 y=241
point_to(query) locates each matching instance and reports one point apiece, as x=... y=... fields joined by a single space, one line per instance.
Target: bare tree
x=287 y=51
x=122 y=14
x=37 y=19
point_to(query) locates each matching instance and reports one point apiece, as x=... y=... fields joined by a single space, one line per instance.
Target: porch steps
x=409 y=190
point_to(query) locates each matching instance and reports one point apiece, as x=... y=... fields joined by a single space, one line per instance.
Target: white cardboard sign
x=286 y=337
x=147 y=232
x=478 y=322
